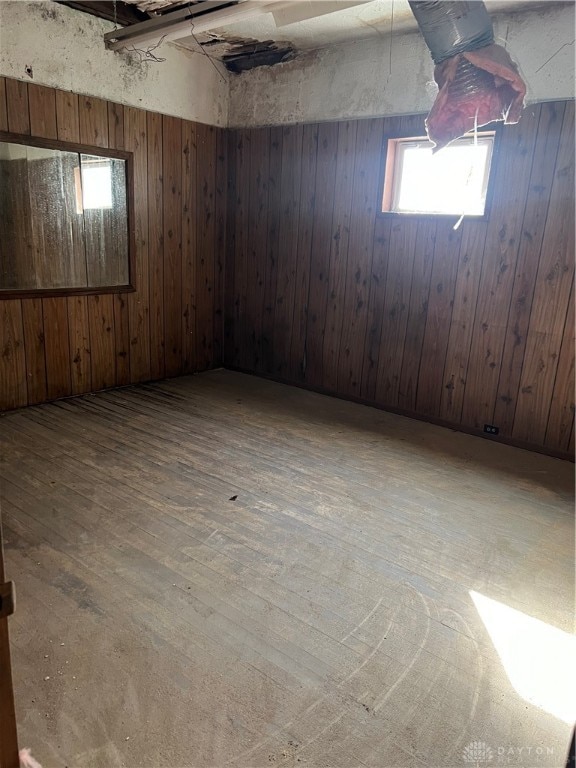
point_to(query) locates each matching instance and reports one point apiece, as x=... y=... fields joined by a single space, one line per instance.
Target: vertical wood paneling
x=206 y=240
x=551 y=297
x=172 y=232
x=230 y=256
x=463 y=314
x=511 y=178
x=57 y=345
x=42 y=103
x=93 y=115
x=395 y=310
x=79 y=341
x=367 y=152
x=561 y=419
x=321 y=241
x=12 y=357
x=306 y=215
x=67 y=116
x=115 y=125
x=33 y=326
x=17 y=106
x=378 y=276
x=531 y=239
x=189 y=245
x=439 y=317
x=54 y=347
x=3 y=109
x=338 y=264
x=102 y=341
x=221 y=243
x=287 y=260
x=156 y=243
x=135 y=140
x=258 y=238
x=241 y=211
x=272 y=241
x=417 y=314
x=465 y=326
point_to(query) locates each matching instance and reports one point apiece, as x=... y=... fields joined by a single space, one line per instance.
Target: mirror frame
x=68 y=146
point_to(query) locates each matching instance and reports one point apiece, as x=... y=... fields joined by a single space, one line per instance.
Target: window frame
x=105 y=152
x=387 y=166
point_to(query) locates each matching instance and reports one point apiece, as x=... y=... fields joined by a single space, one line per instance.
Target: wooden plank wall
x=171 y=324
x=461 y=327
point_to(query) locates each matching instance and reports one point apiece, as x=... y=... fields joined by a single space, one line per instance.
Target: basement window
x=451 y=182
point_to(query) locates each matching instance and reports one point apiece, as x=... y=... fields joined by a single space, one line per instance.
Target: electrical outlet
x=490 y=429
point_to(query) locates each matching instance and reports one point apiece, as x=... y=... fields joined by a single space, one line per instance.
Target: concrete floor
x=224 y=571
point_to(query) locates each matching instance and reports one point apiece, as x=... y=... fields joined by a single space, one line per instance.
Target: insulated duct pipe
x=478 y=81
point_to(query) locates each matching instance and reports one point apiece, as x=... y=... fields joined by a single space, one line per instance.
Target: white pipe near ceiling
x=151 y=31
x=199 y=18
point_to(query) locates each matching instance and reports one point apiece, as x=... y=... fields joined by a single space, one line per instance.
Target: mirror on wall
x=64 y=217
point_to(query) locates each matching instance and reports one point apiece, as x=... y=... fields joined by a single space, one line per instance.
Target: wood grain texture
x=532 y=238
x=189 y=244
x=287 y=253
x=135 y=139
x=322 y=618
x=462 y=322
x=272 y=240
x=70 y=345
x=236 y=266
x=221 y=242
x=229 y=307
x=406 y=313
x=552 y=293
x=3 y=108
x=12 y=355
x=35 y=350
x=258 y=237
x=338 y=264
x=156 y=243
x=305 y=229
x=205 y=244
x=42 y=105
x=324 y=194
x=172 y=241
x=368 y=156
x=57 y=345
x=417 y=313
x=439 y=316
x=378 y=277
x=17 y=106
x=79 y=339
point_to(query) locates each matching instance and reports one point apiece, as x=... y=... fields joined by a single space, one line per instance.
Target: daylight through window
x=453 y=181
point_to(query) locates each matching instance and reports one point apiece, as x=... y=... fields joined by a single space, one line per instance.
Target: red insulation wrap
x=476 y=88
x=478 y=83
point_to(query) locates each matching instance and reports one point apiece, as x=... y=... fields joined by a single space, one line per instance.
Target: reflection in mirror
x=63 y=220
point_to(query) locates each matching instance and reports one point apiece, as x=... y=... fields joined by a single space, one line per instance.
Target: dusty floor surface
x=222 y=571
